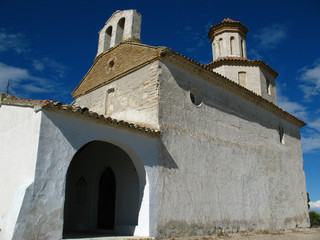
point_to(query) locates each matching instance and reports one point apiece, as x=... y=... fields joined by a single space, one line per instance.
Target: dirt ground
x=296 y=234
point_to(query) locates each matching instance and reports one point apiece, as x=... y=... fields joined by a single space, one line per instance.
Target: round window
x=110 y=66
x=196 y=97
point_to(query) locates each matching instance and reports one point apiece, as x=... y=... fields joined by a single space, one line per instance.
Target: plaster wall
x=264 y=75
x=222 y=166
x=256 y=79
x=18 y=153
x=61 y=136
x=131 y=98
x=221 y=46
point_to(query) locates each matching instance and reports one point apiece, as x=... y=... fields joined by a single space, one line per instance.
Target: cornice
x=229 y=24
x=239 y=61
x=225 y=83
x=60 y=107
x=205 y=71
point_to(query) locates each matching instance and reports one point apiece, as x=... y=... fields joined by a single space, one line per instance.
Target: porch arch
x=86 y=176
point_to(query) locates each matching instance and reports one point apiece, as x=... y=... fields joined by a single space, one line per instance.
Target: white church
x=154 y=145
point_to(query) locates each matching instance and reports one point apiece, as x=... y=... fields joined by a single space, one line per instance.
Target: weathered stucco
x=255 y=78
x=222 y=46
x=219 y=164
x=116 y=63
x=18 y=155
x=133 y=98
x=61 y=136
x=222 y=166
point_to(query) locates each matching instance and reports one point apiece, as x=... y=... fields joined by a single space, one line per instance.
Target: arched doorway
x=106 y=200
x=102 y=195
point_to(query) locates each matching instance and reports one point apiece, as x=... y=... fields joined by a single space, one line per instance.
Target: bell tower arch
x=121 y=26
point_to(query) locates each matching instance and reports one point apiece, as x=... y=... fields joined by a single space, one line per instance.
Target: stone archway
x=102 y=195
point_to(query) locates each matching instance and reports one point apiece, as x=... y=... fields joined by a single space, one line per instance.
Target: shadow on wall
x=165 y=158
x=42 y=212
x=220 y=99
x=27 y=204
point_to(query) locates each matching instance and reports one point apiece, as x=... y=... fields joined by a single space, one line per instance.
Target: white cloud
x=195 y=39
x=254 y=54
x=269 y=37
x=12 y=73
x=310 y=76
x=292 y=107
x=310 y=139
x=201 y=43
x=189 y=50
x=315 y=206
x=315 y=124
x=21 y=81
x=12 y=42
x=311 y=143
x=38 y=65
x=49 y=65
x=28 y=82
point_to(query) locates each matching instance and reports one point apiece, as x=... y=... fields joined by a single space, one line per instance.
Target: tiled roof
x=206 y=72
x=54 y=105
x=227 y=23
x=229 y=20
x=241 y=61
x=191 y=65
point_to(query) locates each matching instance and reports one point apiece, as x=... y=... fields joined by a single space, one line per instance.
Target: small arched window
x=109 y=101
x=268 y=86
x=242 y=78
x=232 y=46
x=214 y=51
x=107 y=38
x=220 y=47
x=120 y=29
x=242 y=48
x=281 y=134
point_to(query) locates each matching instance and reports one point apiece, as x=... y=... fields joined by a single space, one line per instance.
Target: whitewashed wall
x=222 y=166
x=61 y=136
x=132 y=98
x=19 y=128
x=256 y=79
x=222 y=48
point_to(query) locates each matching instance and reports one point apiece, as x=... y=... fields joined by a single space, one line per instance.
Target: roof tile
x=229 y=23
x=241 y=61
x=54 y=105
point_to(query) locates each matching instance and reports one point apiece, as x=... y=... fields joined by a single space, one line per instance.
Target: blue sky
x=46 y=47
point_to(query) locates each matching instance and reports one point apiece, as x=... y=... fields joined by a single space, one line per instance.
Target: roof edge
x=129 y=42
x=227 y=23
x=239 y=61
x=230 y=85
x=38 y=105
